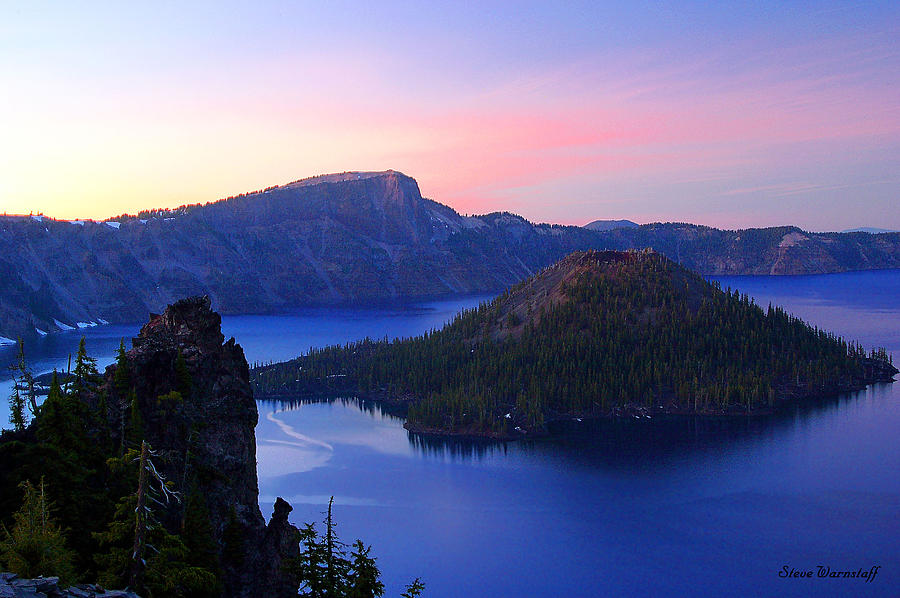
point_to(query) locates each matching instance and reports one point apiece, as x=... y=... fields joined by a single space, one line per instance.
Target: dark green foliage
x=134 y=433
x=36 y=546
x=122 y=375
x=197 y=536
x=17 y=409
x=22 y=395
x=414 y=589
x=617 y=329
x=106 y=513
x=183 y=376
x=60 y=425
x=168 y=570
x=85 y=376
x=138 y=551
x=363 y=573
x=326 y=571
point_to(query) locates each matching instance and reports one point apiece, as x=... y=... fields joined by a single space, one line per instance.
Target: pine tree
x=86 y=376
x=17 y=409
x=311 y=568
x=197 y=536
x=36 y=546
x=138 y=551
x=58 y=424
x=336 y=564
x=414 y=589
x=364 y=579
x=23 y=389
x=122 y=376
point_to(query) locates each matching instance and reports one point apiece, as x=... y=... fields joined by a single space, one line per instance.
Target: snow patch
x=41 y=332
x=792 y=239
x=77 y=222
x=142 y=221
x=114 y=225
x=6 y=341
x=37 y=218
x=102 y=321
x=85 y=324
x=62 y=326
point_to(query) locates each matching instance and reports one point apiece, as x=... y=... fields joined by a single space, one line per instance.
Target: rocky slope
x=344 y=238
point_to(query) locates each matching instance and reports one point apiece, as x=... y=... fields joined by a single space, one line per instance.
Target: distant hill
x=870 y=230
x=602 y=225
x=597 y=334
x=352 y=237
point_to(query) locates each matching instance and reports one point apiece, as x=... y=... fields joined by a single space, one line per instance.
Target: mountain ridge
x=346 y=238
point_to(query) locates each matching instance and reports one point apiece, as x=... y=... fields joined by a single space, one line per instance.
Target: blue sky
x=733 y=115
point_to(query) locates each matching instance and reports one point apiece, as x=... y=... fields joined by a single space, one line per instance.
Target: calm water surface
x=679 y=507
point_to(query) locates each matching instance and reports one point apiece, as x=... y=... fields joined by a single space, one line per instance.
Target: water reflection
x=613 y=444
x=459 y=449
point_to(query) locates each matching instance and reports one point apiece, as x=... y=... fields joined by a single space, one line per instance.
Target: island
x=598 y=334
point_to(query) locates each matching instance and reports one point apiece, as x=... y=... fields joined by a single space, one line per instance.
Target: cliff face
x=351 y=237
x=206 y=433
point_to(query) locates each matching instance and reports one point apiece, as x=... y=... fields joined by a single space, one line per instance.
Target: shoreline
x=398 y=406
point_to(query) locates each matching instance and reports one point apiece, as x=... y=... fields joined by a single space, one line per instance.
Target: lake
x=663 y=507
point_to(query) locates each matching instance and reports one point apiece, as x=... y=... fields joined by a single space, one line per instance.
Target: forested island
x=145 y=477
x=600 y=333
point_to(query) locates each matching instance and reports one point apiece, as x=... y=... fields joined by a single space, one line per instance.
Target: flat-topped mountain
x=602 y=225
x=599 y=333
x=344 y=238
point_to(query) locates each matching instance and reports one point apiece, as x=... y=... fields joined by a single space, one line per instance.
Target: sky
x=733 y=115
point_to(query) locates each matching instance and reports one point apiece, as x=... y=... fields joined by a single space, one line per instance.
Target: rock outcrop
x=12 y=586
x=193 y=393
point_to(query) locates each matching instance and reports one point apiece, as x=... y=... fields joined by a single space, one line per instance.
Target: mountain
x=597 y=334
x=344 y=238
x=602 y=225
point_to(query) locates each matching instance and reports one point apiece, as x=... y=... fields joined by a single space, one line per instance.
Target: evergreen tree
x=86 y=377
x=17 y=409
x=414 y=589
x=197 y=536
x=122 y=376
x=311 y=567
x=58 y=424
x=137 y=549
x=23 y=395
x=336 y=563
x=364 y=579
x=135 y=432
x=36 y=546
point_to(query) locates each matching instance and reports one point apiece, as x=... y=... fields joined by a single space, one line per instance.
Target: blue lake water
x=680 y=507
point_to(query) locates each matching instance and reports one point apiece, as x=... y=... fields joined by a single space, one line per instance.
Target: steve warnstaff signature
x=826 y=571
